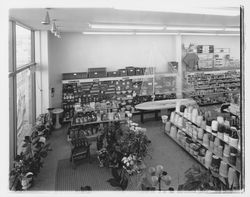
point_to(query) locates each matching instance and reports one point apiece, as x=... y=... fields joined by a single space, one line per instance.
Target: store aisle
x=162 y=150
x=60 y=150
x=166 y=152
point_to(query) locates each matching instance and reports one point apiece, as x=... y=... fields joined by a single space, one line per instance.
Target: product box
x=113 y=74
x=123 y=72
x=139 y=71
x=97 y=74
x=68 y=76
x=130 y=71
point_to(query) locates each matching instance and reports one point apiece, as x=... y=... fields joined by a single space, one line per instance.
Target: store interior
x=126 y=99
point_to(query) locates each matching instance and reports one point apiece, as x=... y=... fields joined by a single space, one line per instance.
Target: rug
x=85 y=174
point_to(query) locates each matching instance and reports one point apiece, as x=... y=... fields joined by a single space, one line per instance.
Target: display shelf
x=214 y=93
x=207 y=131
x=203 y=88
x=222 y=179
x=198 y=80
x=175 y=140
x=117 y=78
x=215 y=70
x=211 y=150
x=97 y=122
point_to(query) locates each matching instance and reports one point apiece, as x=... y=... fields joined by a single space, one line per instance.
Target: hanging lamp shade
x=53 y=28
x=46 y=20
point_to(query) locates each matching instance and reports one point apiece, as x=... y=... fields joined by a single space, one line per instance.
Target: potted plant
x=21 y=177
x=198 y=179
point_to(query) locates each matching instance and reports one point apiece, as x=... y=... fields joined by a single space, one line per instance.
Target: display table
x=162 y=105
x=57 y=112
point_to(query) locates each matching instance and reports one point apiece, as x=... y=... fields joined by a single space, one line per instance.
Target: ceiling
x=77 y=19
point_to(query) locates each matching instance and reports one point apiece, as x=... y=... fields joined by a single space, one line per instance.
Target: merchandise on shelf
x=125 y=92
x=213 y=142
x=212 y=88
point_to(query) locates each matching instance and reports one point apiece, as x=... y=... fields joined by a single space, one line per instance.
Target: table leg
x=142 y=117
x=57 y=125
x=156 y=115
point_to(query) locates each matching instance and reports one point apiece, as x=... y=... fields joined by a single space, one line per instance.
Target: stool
x=57 y=112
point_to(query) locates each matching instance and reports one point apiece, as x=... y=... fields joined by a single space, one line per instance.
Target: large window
x=23 y=46
x=22 y=83
x=24 y=105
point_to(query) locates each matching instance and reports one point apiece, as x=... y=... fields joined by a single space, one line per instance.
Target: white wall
x=231 y=42
x=76 y=53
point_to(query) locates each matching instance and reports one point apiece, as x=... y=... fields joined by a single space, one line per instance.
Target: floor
x=162 y=150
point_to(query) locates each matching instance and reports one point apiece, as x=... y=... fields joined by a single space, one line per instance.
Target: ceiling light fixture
x=46 y=20
x=194 y=28
x=108 y=33
x=207 y=34
x=198 y=34
x=231 y=29
x=120 y=26
x=228 y=34
x=155 y=33
x=53 y=27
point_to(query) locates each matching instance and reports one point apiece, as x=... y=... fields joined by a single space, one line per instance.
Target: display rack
x=236 y=167
x=212 y=87
x=127 y=90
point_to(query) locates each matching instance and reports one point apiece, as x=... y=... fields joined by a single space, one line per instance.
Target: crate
x=130 y=71
x=113 y=74
x=81 y=75
x=123 y=72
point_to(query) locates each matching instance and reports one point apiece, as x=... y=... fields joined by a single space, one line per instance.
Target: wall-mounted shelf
x=136 y=77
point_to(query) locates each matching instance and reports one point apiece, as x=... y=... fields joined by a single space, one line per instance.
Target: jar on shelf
x=214 y=127
x=233 y=138
x=223 y=170
x=208 y=158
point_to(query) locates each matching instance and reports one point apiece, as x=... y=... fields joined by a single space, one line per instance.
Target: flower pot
x=167 y=127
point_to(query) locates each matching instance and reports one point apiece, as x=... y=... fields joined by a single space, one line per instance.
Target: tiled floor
x=162 y=150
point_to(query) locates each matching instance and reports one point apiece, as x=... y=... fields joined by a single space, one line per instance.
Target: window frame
x=13 y=71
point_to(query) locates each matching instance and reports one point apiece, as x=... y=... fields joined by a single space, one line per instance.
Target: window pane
x=24 y=106
x=23 y=46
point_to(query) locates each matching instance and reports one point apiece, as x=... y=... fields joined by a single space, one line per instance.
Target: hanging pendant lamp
x=46 y=20
x=53 y=28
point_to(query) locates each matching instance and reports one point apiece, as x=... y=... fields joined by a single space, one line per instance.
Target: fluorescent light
x=207 y=34
x=155 y=33
x=228 y=34
x=231 y=29
x=119 y=26
x=195 y=28
x=108 y=33
x=198 y=34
